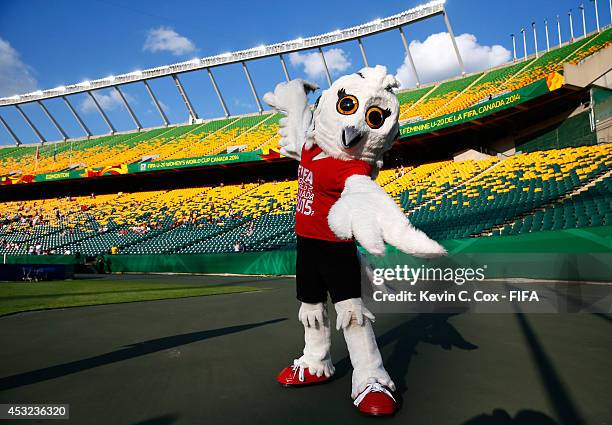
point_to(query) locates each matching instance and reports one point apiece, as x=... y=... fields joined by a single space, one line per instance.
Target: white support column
x=10 y=131
x=53 y=120
x=219 y=95
x=559 y=29
x=77 y=117
x=183 y=93
x=547 y=37
x=535 y=38
x=156 y=103
x=363 y=53
x=129 y=108
x=327 y=74
x=597 y=16
x=409 y=56
x=571 y=23
x=284 y=65
x=524 y=43
x=248 y=76
x=584 y=31
x=610 y=6
x=31 y=124
x=452 y=36
x=514 y=58
x=102 y=113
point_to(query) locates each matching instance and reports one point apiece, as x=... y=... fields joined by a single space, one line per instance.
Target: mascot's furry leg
x=371 y=384
x=315 y=365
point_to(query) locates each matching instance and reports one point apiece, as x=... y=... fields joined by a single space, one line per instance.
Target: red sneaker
x=297 y=376
x=376 y=400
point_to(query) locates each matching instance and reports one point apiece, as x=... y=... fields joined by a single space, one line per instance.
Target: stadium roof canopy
x=397 y=21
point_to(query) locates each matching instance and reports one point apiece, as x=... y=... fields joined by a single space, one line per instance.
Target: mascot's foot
x=297 y=376
x=376 y=400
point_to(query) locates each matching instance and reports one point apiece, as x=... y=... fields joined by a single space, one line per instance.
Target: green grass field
x=19 y=297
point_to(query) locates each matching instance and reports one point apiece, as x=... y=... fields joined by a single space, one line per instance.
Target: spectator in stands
x=114 y=250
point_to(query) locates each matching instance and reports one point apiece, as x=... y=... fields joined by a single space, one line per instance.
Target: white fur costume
x=364 y=211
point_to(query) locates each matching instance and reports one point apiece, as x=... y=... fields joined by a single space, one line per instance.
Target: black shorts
x=324 y=266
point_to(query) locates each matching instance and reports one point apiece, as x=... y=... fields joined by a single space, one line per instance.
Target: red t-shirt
x=320 y=184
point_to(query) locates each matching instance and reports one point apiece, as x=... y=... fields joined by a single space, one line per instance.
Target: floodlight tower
x=596 y=15
x=584 y=32
x=513 y=47
x=571 y=23
x=535 y=38
x=547 y=38
x=524 y=42
x=559 y=29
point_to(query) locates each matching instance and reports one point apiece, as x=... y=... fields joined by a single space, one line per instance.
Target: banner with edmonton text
x=545 y=85
x=202 y=161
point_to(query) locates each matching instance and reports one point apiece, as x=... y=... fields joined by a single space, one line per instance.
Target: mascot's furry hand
x=291 y=99
x=367 y=213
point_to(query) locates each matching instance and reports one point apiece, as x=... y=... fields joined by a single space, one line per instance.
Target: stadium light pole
x=409 y=56
x=327 y=74
x=610 y=6
x=535 y=38
x=248 y=77
x=452 y=36
x=31 y=124
x=559 y=29
x=363 y=53
x=10 y=131
x=129 y=108
x=219 y=95
x=513 y=47
x=102 y=113
x=584 y=32
x=524 y=42
x=192 y=113
x=547 y=38
x=284 y=65
x=77 y=117
x=571 y=23
x=597 y=15
x=53 y=120
x=156 y=103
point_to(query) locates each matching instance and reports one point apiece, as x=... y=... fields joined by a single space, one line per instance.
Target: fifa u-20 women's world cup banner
x=507 y=100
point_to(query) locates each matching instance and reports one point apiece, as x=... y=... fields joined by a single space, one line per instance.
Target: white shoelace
x=297 y=369
x=372 y=388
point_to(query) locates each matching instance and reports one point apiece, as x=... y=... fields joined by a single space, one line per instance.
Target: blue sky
x=44 y=44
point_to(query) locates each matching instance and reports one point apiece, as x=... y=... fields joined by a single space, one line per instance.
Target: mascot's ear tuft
x=390 y=83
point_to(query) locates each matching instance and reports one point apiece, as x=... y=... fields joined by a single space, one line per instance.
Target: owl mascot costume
x=340 y=145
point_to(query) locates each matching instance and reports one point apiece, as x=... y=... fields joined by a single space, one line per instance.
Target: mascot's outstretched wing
x=291 y=99
x=367 y=213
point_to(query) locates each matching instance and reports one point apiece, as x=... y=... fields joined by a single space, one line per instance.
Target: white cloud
x=108 y=102
x=336 y=59
x=166 y=39
x=15 y=76
x=435 y=58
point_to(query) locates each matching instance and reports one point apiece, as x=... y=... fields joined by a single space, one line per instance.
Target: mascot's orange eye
x=375 y=117
x=347 y=104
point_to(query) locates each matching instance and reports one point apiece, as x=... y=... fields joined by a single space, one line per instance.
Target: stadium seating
x=260 y=131
x=447 y=199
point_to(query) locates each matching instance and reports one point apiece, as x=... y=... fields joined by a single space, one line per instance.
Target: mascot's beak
x=350 y=136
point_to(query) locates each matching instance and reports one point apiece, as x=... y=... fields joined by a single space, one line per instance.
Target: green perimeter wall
x=574 y=254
